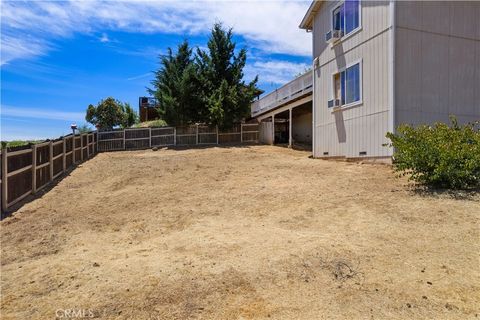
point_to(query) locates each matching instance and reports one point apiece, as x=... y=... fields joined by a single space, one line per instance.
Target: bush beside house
x=446 y=156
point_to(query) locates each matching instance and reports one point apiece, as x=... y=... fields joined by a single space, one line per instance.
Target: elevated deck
x=292 y=91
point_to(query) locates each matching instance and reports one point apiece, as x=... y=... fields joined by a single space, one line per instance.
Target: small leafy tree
x=107 y=114
x=111 y=113
x=440 y=156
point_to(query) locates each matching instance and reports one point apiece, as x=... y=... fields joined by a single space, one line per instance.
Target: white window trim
x=332 y=86
x=354 y=31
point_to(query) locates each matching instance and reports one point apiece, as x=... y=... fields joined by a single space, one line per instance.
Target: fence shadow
x=30 y=170
x=244 y=145
x=39 y=194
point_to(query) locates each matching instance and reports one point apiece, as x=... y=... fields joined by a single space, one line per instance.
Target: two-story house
x=378 y=64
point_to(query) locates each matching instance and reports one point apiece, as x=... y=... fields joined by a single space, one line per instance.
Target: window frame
x=351 y=33
x=360 y=80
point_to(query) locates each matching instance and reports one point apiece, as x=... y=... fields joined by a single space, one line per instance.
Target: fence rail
x=144 y=138
x=27 y=170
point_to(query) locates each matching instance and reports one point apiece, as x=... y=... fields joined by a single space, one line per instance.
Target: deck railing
x=290 y=91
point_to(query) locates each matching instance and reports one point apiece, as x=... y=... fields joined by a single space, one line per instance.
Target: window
x=346 y=17
x=347 y=86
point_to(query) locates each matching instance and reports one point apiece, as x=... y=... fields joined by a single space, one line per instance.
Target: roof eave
x=307 y=21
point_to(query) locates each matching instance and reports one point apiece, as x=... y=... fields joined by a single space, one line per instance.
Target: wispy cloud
x=22 y=48
x=277 y=72
x=268 y=25
x=40 y=113
x=145 y=75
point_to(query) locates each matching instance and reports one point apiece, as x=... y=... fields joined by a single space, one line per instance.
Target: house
x=378 y=64
x=147 y=109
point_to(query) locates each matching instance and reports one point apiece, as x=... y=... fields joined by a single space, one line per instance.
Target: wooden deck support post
x=290 y=141
x=273 y=129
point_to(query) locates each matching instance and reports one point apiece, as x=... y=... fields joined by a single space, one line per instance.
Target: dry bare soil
x=240 y=233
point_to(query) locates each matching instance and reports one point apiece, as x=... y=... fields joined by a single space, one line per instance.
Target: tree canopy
x=110 y=113
x=175 y=86
x=207 y=86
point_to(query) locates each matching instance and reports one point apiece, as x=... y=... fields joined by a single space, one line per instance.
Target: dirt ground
x=240 y=233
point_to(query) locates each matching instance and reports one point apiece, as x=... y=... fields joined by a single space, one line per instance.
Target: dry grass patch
x=241 y=232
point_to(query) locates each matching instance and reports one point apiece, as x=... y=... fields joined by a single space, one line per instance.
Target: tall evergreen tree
x=226 y=97
x=175 y=88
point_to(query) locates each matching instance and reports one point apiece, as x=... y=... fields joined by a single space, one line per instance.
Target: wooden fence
x=26 y=170
x=144 y=138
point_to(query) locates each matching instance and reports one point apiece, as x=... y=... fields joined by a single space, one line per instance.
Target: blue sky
x=57 y=57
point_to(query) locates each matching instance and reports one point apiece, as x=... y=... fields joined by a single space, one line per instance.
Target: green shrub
x=152 y=123
x=446 y=156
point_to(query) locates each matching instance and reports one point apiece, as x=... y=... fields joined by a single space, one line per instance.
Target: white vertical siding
x=437 y=61
x=361 y=128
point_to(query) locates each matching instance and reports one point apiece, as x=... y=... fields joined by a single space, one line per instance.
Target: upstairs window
x=346 y=86
x=346 y=17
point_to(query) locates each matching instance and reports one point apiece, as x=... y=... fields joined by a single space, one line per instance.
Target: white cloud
x=271 y=26
x=40 y=113
x=276 y=72
x=21 y=48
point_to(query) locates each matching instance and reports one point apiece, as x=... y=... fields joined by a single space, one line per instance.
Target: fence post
x=174 y=136
x=241 y=132
x=197 y=133
x=150 y=135
x=50 y=147
x=4 y=179
x=217 y=133
x=81 y=147
x=124 y=145
x=88 y=145
x=34 y=168
x=64 y=156
x=95 y=143
x=73 y=150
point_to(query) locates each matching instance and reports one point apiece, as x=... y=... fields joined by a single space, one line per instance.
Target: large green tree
x=207 y=87
x=225 y=95
x=175 y=87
